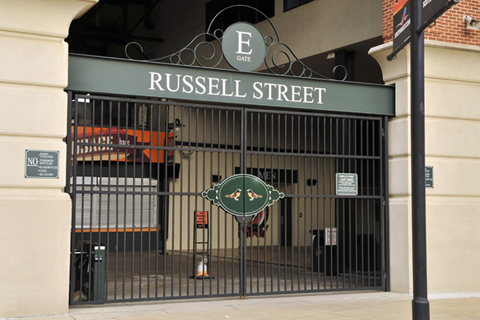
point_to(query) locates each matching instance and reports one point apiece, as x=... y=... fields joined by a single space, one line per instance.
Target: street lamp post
x=420 y=304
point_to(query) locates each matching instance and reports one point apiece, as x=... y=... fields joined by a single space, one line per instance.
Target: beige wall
x=452 y=128
x=321 y=26
x=35 y=213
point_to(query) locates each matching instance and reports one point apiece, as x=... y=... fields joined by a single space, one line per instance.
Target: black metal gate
x=141 y=229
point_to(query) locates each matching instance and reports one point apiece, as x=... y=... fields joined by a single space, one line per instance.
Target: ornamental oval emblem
x=242 y=195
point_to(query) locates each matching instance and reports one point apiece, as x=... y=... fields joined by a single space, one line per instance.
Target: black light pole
x=420 y=304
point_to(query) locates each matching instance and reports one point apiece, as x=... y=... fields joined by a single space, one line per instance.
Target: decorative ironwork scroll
x=205 y=50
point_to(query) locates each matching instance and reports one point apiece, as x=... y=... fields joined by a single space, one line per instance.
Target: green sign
x=243 y=46
x=41 y=164
x=116 y=76
x=346 y=184
x=242 y=195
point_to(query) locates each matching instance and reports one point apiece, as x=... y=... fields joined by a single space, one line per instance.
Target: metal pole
x=420 y=304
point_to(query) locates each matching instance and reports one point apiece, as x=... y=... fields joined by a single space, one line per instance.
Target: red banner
x=258 y=226
x=398 y=5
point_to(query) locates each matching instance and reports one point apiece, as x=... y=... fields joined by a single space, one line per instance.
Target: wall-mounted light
x=186 y=154
x=176 y=125
x=472 y=24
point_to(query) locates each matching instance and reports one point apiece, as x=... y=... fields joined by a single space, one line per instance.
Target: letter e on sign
x=243 y=46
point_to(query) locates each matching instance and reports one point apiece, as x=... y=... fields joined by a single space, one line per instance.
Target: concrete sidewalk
x=345 y=306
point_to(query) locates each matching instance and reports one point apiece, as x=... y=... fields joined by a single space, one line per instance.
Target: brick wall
x=449 y=28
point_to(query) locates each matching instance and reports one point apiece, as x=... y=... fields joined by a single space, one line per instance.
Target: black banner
x=401 y=22
x=431 y=10
x=431 y=7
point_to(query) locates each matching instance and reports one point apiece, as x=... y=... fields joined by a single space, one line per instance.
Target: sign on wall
x=125 y=77
x=41 y=164
x=346 y=184
x=428 y=177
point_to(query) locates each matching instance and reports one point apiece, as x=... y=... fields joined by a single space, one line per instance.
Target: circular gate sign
x=243 y=46
x=242 y=195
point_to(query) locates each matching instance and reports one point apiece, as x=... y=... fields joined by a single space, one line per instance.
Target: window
x=291 y=4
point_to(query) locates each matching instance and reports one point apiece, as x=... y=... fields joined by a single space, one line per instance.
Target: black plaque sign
x=41 y=164
x=428 y=177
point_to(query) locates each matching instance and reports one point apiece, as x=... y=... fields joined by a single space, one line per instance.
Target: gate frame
x=245 y=111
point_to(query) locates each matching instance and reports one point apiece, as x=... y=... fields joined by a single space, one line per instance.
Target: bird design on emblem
x=235 y=195
x=253 y=195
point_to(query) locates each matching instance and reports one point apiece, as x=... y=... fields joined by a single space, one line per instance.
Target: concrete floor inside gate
x=152 y=275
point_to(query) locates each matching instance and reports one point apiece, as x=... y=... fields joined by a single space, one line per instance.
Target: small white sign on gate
x=331 y=236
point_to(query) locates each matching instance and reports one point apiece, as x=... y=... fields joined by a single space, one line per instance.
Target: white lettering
x=320 y=91
x=228 y=87
x=213 y=84
x=168 y=82
x=187 y=84
x=237 y=90
x=296 y=91
x=257 y=86
x=282 y=90
x=224 y=87
x=241 y=42
x=155 y=79
x=307 y=94
x=400 y=31
x=270 y=86
x=201 y=85
x=32 y=162
x=244 y=58
x=426 y=3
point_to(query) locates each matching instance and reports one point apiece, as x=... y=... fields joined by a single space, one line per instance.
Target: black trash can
x=89 y=266
x=324 y=257
x=366 y=253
